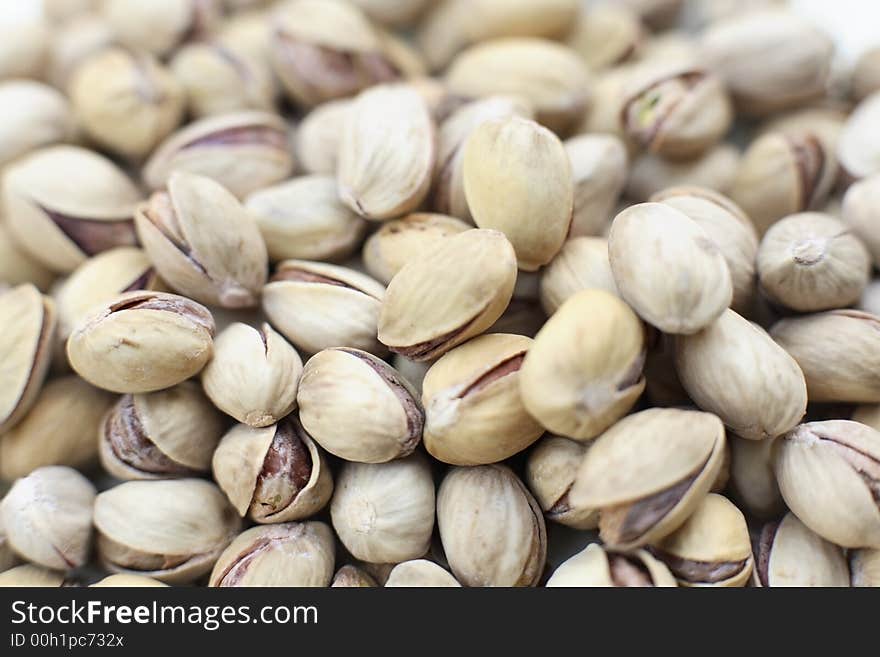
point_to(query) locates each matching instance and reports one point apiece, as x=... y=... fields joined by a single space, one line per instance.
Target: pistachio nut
x=578 y=388
x=243 y=151
x=864 y=566
x=126 y=581
x=596 y=565
x=248 y=30
x=411 y=238
x=393 y=12
x=668 y=268
x=829 y=476
x=358 y=407
x=606 y=35
x=142 y=341
x=273 y=474
x=159 y=26
x=518 y=179
x=171 y=530
x=304 y=218
x=599 y=168
x=426 y=312
x=550 y=473
x=352 y=577
x=734 y=369
x=59 y=429
x=24 y=47
x=387 y=152
x=73 y=41
x=837 y=351
x=861 y=213
x=789 y=554
x=491 y=527
x=289 y=554
x=371 y=517
x=17 y=266
x=581 y=264
x=551 y=77
x=752 y=478
x=420 y=573
x=609 y=94
x=28 y=319
x=649 y=472
x=64 y=204
x=32 y=115
x=859 y=146
x=319 y=134
x=47 y=517
x=715 y=169
x=318 y=306
x=866 y=75
x=160 y=435
x=31 y=576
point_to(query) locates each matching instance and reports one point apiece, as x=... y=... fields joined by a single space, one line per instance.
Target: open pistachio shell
x=31 y=576
x=550 y=473
x=420 y=573
x=582 y=264
x=600 y=566
x=352 y=577
x=126 y=581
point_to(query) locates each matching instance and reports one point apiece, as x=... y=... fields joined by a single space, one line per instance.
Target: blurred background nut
x=420 y=573
x=752 y=477
x=550 y=473
x=47 y=517
x=290 y=554
x=8 y=558
x=861 y=213
x=716 y=169
x=581 y=264
x=658 y=14
x=599 y=166
x=160 y=26
x=17 y=266
x=32 y=115
x=414 y=372
x=866 y=76
x=172 y=530
x=864 y=568
x=859 y=146
x=60 y=11
x=318 y=136
x=352 y=577
x=31 y=576
x=272 y=474
x=24 y=49
x=73 y=41
x=160 y=435
x=492 y=529
x=126 y=581
x=393 y=12
x=596 y=565
x=606 y=35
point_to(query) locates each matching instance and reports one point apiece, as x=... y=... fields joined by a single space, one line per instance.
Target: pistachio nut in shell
x=358 y=407
x=243 y=151
x=599 y=165
x=517 y=179
x=734 y=369
x=17 y=266
x=32 y=115
x=668 y=268
x=838 y=352
x=319 y=306
x=47 y=517
x=31 y=576
x=160 y=26
x=550 y=473
x=160 y=435
x=272 y=474
x=864 y=566
x=861 y=213
x=387 y=152
x=596 y=565
x=59 y=429
x=859 y=146
x=491 y=528
x=426 y=312
x=715 y=169
x=584 y=370
x=581 y=264
x=373 y=520
x=829 y=475
x=866 y=74
x=787 y=553
x=64 y=204
x=473 y=410
x=393 y=12
x=74 y=41
x=8 y=558
x=752 y=477
x=352 y=577
x=126 y=581
x=420 y=573
x=607 y=35
x=171 y=530
x=29 y=321
x=318 y=136
x=142 y=341
x=289 y=554
x=649 y=472
x=25 y=47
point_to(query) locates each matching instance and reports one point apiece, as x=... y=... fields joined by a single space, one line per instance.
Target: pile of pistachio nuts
x=424 y=293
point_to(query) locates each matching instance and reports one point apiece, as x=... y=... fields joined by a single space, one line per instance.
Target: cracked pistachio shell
x=712 y=547
x=358 y=407
x=374 y=521
x=28 y=319
x=581 y=264
x=304 y=218
x=734 y=369
x=838 y=352
x=171 y=530
x=160 y=435
x=473 y=410
x=599 y=165
x=60 y=429
x=584 y=370
x=420 y=573
x=517 y=179
x=126 y=581
x=668 y=268
x=253 y=375
x=24 y=46
x=864 y=568
x=64 y=204
x=142 y=341
x=352 y=577
x=866 y=75
x=551 y=469
x=32 y=115
x=203 y=242
x=273 y=474
x=159 y=26
x=715 y=169
x=492 y=529
x=752 y=478
x=859 y=146
x=812 y=261
x=387 y=152
x=243 y=151
x=31 y=576
x=400 y=241
x=829 y=476
x=47 y=517
x=17 y=266
x=551 y=77
x=606 y=35
x=427 y=310
x=319 y=134
x=789 y=554
x=125 y=102
x=649 y=472
x=861 y=213
x=319 y=306
x=597 y=566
